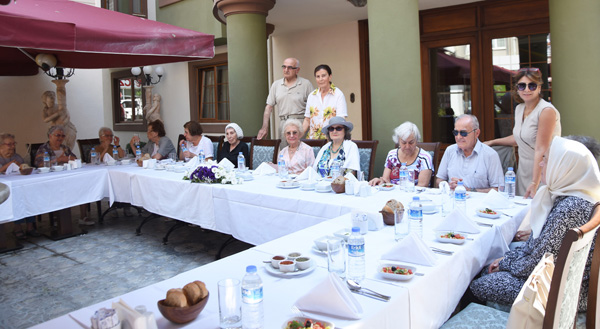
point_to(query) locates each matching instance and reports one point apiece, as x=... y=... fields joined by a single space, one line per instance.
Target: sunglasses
x=522 y=85
x=288 y=67
x=338 y=128
x=463 y=133
x=529 y=69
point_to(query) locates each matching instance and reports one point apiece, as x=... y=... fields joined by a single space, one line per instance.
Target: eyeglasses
x=10 y=144
x=522 y=85
x=288 y=67
x=463 y=133
x=290 y=133
x=60 y=135
x=529 y=69
x=111 y=136
x=338 y=128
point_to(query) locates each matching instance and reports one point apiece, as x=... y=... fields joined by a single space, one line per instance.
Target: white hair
x=102 y=130
x=474 y=120
x=291 y=122
x=404 y=131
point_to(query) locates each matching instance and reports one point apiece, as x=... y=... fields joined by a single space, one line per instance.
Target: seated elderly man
x=106 y=145
x=469 y=160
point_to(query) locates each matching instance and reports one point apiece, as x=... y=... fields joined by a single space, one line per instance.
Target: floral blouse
x=348 y=157
x=422 y=162
x=321 y=110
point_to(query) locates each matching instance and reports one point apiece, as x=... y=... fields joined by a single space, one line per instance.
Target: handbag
x=529 y=307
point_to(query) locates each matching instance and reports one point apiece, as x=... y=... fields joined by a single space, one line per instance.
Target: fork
x=484 y=224
x=442 y=251
x=505 y=214
x=297 y=311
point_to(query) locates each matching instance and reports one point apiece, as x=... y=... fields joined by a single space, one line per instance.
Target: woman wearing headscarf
x=233 y=145
x=572 y=180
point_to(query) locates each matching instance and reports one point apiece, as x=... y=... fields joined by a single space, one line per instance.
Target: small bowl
x=302 y=263
x=126 y=161
x=293 y=255
x=308 y=186
x=288 y=265
x=43 y=170
x=182 y=314
x=58 y=168
x=388 y=218
x=276 y=259
x=343 y=233
x=26 y=171
x=321 y=242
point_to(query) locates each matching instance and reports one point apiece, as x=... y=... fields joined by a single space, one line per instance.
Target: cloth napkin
x=225 y=163
x=264 y=169
x=12 y=168
x=375 y=220
x=108 y=159
x=193 y=163
x=495 y=200
x=309 y=174
x=458 y=221
x=411 y=249
x=351 y=177
x=331 y=297
x=131 y=318
x=149 y=164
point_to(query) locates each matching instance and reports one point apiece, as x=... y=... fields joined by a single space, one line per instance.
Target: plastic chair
x=263 y=150
x=366 y=150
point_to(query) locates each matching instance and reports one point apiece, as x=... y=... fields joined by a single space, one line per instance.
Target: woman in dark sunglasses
x=340 y=148
x=536 y=123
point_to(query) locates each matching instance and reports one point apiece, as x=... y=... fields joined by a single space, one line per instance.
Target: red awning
x=84 y=36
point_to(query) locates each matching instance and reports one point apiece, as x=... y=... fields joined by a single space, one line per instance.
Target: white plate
x=301 y=319
x=309 y=188
x=58 y=168
x=319 y=251
x=343 y=233
x=159 y=168
x=480 y=212
x=438 y=237
x=398 y=277
x=277 y=272
x=383 y=188
x=294 y=185
x=429 y=212
x=44 y=171
x=327 y=190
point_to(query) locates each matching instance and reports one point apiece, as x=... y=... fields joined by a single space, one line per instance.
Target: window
x=499 y=44
x=210 y=90
x=127 y=102
x=132 y=7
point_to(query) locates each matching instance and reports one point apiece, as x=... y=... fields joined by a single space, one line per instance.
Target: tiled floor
x=49 y=278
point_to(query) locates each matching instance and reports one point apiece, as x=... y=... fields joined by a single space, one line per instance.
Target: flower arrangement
x=211 y=172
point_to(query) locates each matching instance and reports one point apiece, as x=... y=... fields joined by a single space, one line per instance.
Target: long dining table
x=284 y=220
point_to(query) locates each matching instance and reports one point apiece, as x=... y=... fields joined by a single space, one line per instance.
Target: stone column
x=394 y=50
x=247 y=60
x=574 y=30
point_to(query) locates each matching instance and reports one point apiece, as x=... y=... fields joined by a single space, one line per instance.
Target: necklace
x=336 y=151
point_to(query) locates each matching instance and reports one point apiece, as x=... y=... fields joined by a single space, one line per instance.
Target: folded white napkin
x=131 y=318
x=108 y=159
x=458 y=221
x=74 y=164
x=309 y=174
x=192 y=163
x=411 y=249
x=496 y=200
x=331 y=297
x=264 y=169
x=375 y=220
x=12 y=168
x=351 y=177
x=225 y=163
x=149 y=164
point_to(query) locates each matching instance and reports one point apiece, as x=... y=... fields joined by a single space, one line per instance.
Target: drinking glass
x=230 y=304
x=336 y=257
x=173 y=156
x=400 y=225
x=137 y=139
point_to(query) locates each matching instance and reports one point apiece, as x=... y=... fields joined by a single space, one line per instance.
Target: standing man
x=289 y=94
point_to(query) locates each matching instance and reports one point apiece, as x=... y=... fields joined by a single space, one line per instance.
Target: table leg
x=63 y=226
x=8 y=242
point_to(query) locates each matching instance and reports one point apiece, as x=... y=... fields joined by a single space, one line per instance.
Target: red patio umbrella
x=84 y=36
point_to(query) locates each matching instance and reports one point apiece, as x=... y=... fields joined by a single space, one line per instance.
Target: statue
x=57 y=114
x=152 y=108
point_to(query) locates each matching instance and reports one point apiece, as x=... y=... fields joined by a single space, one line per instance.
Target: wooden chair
x=570 y=263
x=217 y=142
x=32 y=150
x=434 y=150
x=367 y=150
x=85 y=147
x=179 y=139
x=263 y=150
x=593 y=305
x=248 y=141
x=316 y=144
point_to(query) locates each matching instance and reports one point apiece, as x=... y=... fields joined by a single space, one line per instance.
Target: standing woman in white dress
x=536 y=123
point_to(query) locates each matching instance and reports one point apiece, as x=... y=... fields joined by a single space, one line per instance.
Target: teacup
x=287 y=265
x=276 y=259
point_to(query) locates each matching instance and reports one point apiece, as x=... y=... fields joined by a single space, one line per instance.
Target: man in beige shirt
x=288 y=94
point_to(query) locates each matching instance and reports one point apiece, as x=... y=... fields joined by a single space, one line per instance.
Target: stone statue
x=152 y=108
x=57 y=114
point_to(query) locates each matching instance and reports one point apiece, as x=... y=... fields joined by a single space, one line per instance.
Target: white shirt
x=205 y=144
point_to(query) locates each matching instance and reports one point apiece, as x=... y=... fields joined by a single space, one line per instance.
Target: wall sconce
x=48 y=63
x=358 y=3
x=136 y=71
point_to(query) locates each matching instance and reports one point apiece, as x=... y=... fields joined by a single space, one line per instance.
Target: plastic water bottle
x=281 y=167
x=460 y=197
x=356 y=255
x=47 y=159
x=403 y=177
x=93 y=156
x=115 y=153
x=335 y=169
x=241 y=162
x=510 y=181
x=138 y=152
x=201 y=156
x=183 y=150
x=415 y=217
x=252 y=299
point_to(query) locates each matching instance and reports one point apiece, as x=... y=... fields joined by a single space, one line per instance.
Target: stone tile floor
x=49 y=278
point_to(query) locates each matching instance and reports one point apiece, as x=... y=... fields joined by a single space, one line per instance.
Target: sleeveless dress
x=525 y=133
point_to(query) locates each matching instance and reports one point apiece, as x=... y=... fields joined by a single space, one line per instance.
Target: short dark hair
x=193 y=127
x=347 y=134
x=323 y=67
x=589 y=142
x=158 y=127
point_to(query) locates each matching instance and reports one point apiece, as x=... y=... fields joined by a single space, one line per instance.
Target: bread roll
x=203 y=290
x=392 y=205
x=192 y=293
x=176 y=298
x=24 y=166
x=339 y=180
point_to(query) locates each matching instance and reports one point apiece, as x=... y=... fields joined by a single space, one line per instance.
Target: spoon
x=353 y=285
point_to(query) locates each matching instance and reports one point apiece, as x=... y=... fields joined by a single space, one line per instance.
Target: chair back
x=85 y=147
x=561 y=308
x=180 y=138
x=366 y=150
x=217 y=142
x=315 y=144
x=434 y=150
x=263 y=150
x=248 y=141
x=32 y=151
x=593 y=306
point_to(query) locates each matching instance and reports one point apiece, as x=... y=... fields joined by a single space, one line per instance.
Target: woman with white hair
x=233 y=146
x=297 y=155
x=417 y=160
x=59 y=152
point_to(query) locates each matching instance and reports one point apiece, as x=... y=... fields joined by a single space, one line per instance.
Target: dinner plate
x=294 y=185
x=429 y=211
x=319 y=251
x=438 y=237
x=307 y=188
x=302 y=320
x=386 y=188
x=481 y=213
x=324 y=190
x=277 y=272
x=393 y=276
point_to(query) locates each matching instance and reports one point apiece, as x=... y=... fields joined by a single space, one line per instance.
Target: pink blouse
x=303 y=158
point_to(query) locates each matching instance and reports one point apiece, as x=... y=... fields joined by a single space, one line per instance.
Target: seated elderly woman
x=297 y=155
x=58 y=152
x=233 y=146
x=340 y=148
x=106 y=145
x=159 y=146
x=572 y=180
x=194 y=142
x=418 y=161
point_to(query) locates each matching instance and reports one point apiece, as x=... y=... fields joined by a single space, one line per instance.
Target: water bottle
x=415 y=217
x=252 y=299
x=93 y=156
x=115 y=153
x=47 y=159
x=201 y=156
x=403 y=179
x=184 y=149
x=335 y=169
x=241 y=162
x=356 y=255
x=138 y=152
x=281 y=167
x=510 y=181
x=460 y=198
